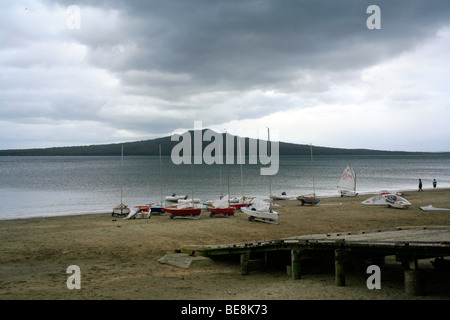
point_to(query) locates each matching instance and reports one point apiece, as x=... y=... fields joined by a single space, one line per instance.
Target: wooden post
x=245 y=259
x=295 y=264
x=414 y=284
x=339 y=267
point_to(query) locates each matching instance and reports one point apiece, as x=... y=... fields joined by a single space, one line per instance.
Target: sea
x=44 y=186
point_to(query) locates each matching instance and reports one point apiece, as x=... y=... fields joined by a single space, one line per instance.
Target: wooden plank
x=420 y=239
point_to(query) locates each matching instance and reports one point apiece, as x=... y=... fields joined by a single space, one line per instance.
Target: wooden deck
x=408 y=244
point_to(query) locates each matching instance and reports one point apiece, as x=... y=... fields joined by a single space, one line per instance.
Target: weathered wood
x=414 y=284
x=339 y=267
x=407 y=243
x=245 y=259
x=295 y=264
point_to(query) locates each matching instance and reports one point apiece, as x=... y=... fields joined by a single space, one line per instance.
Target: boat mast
x=228 y=177
x=270 y=176
x=121 y=177
x=312 y=163
x=240 y=161
x=160 y=175
x=220 y=170
x=192 y=182
x=354 y=178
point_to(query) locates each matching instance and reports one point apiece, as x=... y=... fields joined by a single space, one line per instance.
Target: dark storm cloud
x=228 y=45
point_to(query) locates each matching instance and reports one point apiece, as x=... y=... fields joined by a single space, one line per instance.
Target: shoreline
x=118 y=258
x=364 y=193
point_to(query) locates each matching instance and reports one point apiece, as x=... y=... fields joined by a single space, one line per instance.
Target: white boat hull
x=121 y=210
x=348 y=193
x=390 y=200
x=264 y=216
x=196 y=200
x=174 y=198
x=280 y=197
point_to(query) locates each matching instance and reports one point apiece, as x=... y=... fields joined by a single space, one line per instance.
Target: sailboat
x=186 y=210
x=243 y=201
x=347 y=183
x=260 y=210
x=210 y=202
x=158 y=209
x=121 y=209
x=221 y=207
x=311 y=198
x=146 y=211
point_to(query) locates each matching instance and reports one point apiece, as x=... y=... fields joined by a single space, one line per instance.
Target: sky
x=329 y=73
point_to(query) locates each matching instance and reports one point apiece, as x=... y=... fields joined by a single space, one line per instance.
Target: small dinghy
x=260 y=210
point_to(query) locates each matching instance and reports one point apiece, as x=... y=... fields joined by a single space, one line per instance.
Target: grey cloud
x=252 y=44
x=179 y=60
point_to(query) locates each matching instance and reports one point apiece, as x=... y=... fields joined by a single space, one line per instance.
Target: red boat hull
x=224 y=211
x=239 y=205
x=185 y=212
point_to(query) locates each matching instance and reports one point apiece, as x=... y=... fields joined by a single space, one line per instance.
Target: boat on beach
x=311 y=199
x=139 y=212
x=148 y=210
x=185 y=211
x=347 y=183
x=174 y=198
x=259 y=210
x=121 y=209
x=196 y=200
x=244 y=202
x=388 y=199
x=282 y=196
x=308 y=199
x=156 y=209
x=221 y=208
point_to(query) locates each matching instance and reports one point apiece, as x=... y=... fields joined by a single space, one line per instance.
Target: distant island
x=151 y=148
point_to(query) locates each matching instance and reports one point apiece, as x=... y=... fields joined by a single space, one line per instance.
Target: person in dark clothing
x=420 y=185
x=434 y=183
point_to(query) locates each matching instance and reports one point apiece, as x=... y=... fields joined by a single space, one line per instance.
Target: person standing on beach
x=420 y=185
x=434 y=183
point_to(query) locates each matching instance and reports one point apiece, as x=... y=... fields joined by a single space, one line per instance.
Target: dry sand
x=119 y=259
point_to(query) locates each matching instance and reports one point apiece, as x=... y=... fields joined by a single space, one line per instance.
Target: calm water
x=50 y=186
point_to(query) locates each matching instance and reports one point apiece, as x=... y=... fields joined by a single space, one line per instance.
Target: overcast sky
x=116 y=71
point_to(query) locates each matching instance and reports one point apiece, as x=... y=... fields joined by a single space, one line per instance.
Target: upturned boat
x=390 y=200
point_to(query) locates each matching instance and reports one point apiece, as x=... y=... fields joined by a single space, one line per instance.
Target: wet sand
x=119 y=259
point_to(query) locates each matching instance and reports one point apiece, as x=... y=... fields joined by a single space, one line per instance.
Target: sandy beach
x=118 y=259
